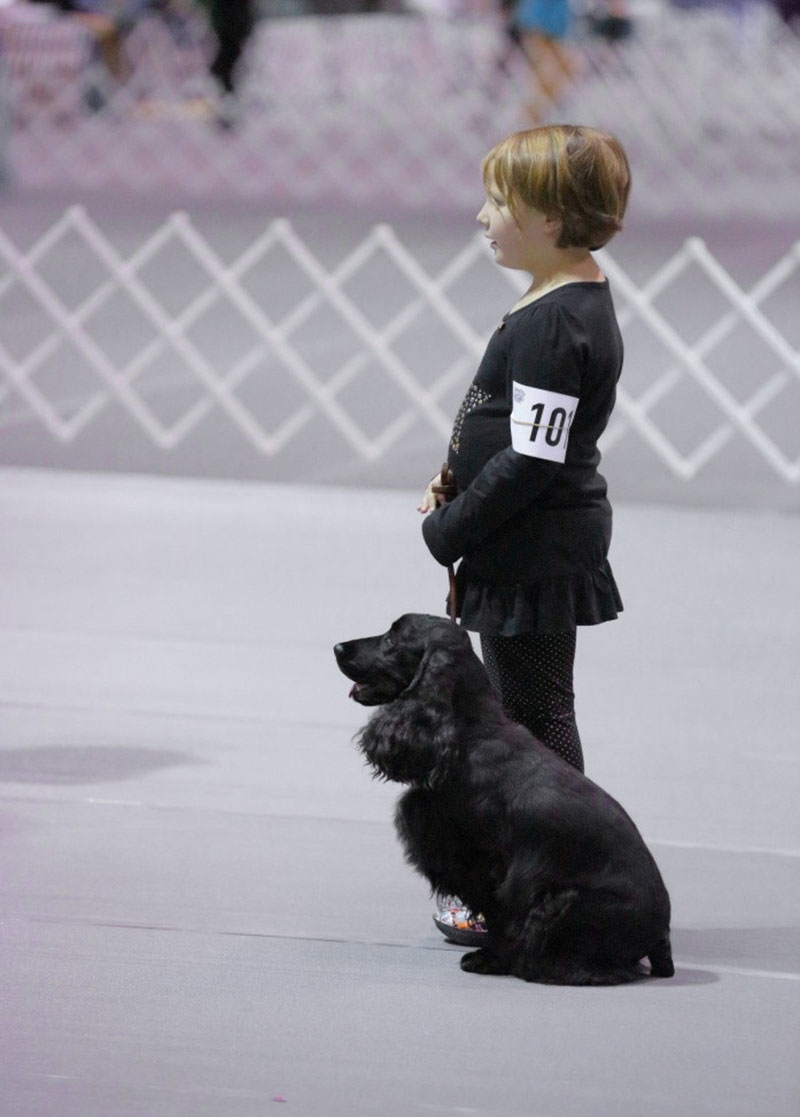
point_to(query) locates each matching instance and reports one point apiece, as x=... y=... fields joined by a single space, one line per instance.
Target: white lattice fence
x=364 y=361
x=395 y=110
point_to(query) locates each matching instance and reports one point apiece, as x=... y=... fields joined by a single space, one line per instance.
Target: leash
x=451 y=593
x=447 y=490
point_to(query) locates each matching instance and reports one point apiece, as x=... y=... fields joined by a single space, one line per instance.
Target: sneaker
x=460 y=926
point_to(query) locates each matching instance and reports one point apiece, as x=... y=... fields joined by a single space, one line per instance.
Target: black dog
x=569 y=891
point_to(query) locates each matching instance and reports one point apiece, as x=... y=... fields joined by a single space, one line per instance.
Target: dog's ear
x=441 y=666
x=415 y=738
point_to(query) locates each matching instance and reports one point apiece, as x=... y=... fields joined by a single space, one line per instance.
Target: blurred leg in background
x=232 y=22
x=541 y=27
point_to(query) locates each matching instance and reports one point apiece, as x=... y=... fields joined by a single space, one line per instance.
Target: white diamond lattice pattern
x=374 y=349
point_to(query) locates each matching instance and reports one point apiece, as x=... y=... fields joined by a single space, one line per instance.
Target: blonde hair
x=579 y=175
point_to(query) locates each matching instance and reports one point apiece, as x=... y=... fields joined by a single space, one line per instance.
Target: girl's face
x=517 y=242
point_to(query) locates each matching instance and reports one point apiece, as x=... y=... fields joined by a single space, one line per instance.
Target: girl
x=530 y=520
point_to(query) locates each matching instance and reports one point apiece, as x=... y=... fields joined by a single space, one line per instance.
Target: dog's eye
x=388 y=640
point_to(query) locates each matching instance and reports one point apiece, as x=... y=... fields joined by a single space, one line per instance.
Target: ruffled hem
x=558 y=604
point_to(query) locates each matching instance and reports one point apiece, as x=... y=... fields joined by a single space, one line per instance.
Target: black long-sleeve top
x=531 y=521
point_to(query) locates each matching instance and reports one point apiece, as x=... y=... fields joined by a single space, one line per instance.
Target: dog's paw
x=482 y=961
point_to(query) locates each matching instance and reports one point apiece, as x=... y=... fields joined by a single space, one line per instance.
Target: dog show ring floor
x=205 y=910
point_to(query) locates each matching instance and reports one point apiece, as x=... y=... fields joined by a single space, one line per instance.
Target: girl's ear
x=552 y=226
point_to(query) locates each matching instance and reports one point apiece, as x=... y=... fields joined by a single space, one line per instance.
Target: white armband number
x=540 y=422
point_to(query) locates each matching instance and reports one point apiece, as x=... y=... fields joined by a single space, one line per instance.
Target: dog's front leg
x=433 y=841
x=497 y=957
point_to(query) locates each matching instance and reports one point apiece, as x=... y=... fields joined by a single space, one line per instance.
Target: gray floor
x=205 y=910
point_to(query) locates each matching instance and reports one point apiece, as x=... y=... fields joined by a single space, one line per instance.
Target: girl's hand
x=430 y=499
x=441 y=489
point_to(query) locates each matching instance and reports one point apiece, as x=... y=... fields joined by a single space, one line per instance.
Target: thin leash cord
x=451 y=597
x=447 y=489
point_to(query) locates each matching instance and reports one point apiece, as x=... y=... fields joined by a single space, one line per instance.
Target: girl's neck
x=556 y=273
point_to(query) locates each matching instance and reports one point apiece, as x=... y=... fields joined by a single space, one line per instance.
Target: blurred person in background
x=542 y=27
x=110 y=22
x=541 y=30
x=102 y=19
x=789 y=12
x=232 y=22
x=611 y=21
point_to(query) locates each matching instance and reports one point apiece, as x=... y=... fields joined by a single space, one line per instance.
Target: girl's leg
x=533 y=677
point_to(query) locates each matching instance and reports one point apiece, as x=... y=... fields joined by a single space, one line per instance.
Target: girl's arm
x=505 y=485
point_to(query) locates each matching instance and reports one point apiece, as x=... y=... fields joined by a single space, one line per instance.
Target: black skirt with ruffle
x=556 y=604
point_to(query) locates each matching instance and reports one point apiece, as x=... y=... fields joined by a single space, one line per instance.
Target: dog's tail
x=661 y=964
x=563 y=971
x=570 y=973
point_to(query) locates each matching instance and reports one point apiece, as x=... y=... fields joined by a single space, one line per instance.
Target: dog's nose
x=338 y=649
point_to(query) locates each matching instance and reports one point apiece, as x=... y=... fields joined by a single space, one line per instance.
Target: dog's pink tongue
x=353 y=690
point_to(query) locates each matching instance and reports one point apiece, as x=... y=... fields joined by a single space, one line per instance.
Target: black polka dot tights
x=533 y=676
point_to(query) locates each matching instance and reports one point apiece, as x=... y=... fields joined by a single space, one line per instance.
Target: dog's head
x=385 y=667
x=413 y=670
